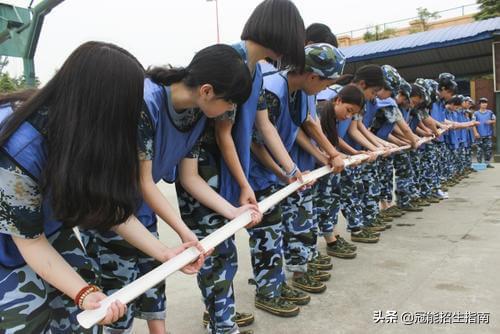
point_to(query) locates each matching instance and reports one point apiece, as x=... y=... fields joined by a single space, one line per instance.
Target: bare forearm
x=266 y=159
x=138 y=236
x=229 y=154
x=275 y=145
x=346 y=148
x=368 y=134
x=197 y=187
x=305 y=143
x=50 y=265
x=315 y=132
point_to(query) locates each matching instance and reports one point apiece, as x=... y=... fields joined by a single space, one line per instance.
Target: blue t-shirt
x=485 y=130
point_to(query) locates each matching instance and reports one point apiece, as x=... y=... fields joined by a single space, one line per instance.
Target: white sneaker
x=442 y=194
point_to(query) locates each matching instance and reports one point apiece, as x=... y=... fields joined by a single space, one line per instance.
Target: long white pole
x=133 y=290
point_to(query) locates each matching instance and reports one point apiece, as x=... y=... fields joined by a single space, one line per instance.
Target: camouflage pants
x=416 y=166
x=299 y=235
x=427 y=170
x=327 y=203
x=441 y=156
x=386 y=173
x=266 y=250
x=371 y=195
x=351 y=202
x=404 y=179
x=484 y=149
x=30 y=305
x=121 y=264
x=215 y=278
x=468 y=156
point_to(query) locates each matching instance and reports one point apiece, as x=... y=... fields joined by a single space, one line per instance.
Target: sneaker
x=340 y=250
x=294 y=296
x=346 y=244
x=420 y=202
x=320 y=264
x=324 y=257
x=380 y=222
x=318 y=275
x=489 y=166
x=277 y=306
x=242 y=319
x=441 y=194
x=308 y=284
x=411 y=208
x=394 y=211
x=385 y=218
x=431 y=199
x=364 y=236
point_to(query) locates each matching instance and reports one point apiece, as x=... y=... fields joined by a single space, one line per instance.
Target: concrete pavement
x=445 y=259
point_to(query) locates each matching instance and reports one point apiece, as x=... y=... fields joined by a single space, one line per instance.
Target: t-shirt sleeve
x=493 y=117
x=393 y=114
x=145 y=137
x=21 y=212
x=228 y=115
x=262 y=102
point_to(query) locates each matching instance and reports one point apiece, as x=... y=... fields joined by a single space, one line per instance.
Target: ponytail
x=328 y=121
x=167 y=76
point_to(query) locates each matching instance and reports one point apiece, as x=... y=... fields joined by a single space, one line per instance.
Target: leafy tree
x=487 y=9
x=423 y=18
x=378 y=34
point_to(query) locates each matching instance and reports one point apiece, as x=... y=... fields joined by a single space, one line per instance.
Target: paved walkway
x=445 y=259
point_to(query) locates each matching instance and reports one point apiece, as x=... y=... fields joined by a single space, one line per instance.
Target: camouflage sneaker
x=242 y=319
x=411 y=208
x=420 y=202
x=308 y=284
x=294 y=296
x=324 y=257
x=346 y=244
x=321 y=276
x=277 y=306
x=385 y=217
x=320 y=264
x=394 y=211
x=374 y=227
x=340 y=250
x=364 y=236
x=380 y=222
x=431 y=199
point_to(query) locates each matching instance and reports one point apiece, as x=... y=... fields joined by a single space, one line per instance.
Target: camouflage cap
x=325 y=60
x=405 y=87
x=392 y=78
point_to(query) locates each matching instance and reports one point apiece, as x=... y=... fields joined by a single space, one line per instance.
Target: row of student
x=229 y=129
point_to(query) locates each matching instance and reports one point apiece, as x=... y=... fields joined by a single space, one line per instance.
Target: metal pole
x=217 y=19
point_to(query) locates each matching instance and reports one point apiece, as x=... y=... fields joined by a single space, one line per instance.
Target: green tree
x=423 y=18
x=487 y=9
x=376 y=33
x=10 y=84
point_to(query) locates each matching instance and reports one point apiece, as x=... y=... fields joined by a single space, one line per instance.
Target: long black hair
x=321 y=33
x=371 y=74
x=326 y=109
x=218 y=65
x=91 y=176
x=277 y=25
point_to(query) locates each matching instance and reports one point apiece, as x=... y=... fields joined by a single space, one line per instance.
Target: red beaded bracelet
x=84 y=292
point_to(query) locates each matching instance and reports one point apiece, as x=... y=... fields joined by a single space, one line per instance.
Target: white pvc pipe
x=133 y=290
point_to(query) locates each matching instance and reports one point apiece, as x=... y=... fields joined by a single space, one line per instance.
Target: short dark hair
x=277 y=25
x=91 y=176
x=321 y=33
x=371 y=74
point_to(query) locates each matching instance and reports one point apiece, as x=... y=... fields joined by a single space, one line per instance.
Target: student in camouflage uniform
x=37 y=288
x=484 y=131
x=169 y=127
